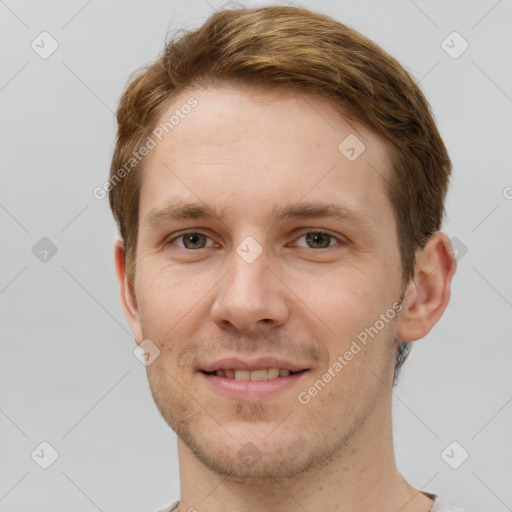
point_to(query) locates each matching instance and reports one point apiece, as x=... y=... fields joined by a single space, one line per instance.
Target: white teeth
x=262 y=374
x=273 y=373
x=259 y=375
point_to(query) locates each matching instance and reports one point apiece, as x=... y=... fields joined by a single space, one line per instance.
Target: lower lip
x=252 y=389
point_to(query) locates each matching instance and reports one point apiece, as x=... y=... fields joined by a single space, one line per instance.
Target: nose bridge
x=249 y=278
x=250 y=296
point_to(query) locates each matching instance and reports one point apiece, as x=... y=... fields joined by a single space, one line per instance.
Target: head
x=305 y=165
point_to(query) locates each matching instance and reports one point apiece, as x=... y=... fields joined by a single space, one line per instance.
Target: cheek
x=164 y=298
x=172 y=309
x=344 y=301
x=349 y=305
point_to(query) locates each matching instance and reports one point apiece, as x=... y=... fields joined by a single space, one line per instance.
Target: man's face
x=250 y=289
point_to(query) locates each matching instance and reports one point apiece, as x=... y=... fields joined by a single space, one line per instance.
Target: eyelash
x=190 y=232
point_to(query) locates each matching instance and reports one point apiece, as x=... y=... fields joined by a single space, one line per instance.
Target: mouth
x=254 y=375
x=254 y=380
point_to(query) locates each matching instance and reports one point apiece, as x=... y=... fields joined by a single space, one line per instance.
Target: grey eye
x=318 y=240
x=194 y=240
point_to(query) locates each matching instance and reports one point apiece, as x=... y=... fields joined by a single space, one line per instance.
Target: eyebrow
x=179 y=210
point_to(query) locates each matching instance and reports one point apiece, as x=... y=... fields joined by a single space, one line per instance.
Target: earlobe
x=428 y=292
x=128 y=298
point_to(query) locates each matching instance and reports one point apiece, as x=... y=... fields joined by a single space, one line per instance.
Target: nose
x=251 y=298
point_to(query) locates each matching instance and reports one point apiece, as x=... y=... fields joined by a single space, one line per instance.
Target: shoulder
x=171 y=507
x=442 y=506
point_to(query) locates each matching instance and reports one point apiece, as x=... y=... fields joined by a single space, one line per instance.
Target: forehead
x=245 y=150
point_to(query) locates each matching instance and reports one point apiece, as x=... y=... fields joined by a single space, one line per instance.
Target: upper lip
x=234 y=363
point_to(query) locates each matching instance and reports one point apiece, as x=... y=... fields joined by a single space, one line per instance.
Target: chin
x=242 y=452
x=253 y=462
x=254 y=453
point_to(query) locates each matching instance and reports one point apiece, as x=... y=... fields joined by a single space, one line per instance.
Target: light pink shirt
x=439 y=506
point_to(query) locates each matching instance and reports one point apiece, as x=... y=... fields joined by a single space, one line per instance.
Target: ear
x=128 y=298
x=428 y=292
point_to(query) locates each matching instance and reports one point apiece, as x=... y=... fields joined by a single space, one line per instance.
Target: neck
x=360 y=477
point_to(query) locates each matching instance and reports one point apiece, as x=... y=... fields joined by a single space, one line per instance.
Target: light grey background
x=68 y=373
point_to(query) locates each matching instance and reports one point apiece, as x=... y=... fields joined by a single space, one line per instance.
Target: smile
x=254 y=375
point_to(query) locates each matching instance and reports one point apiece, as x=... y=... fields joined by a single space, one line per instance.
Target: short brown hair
x=305 y=52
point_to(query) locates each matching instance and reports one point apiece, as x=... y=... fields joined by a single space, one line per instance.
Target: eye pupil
x=317 y=237
x=194 y=238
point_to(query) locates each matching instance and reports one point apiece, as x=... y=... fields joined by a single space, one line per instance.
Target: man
x=279 y=185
